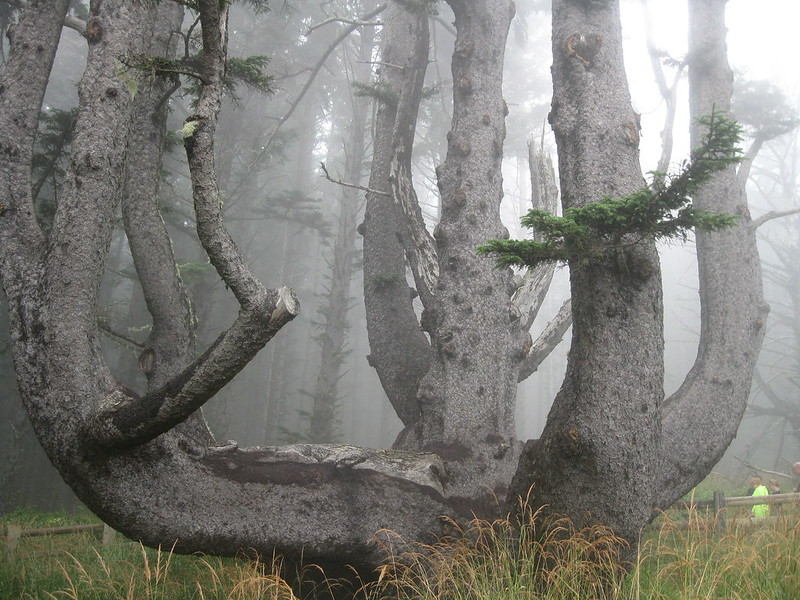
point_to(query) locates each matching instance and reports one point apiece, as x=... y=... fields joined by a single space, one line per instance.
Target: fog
x=285 y=216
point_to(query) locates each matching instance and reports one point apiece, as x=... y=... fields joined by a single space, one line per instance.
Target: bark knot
x=584 y=47
x=94 y=30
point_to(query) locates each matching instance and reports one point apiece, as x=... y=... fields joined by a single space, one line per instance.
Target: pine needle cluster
x=661 y=210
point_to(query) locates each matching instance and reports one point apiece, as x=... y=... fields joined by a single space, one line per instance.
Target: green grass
x=683 y=560
x=78 y=567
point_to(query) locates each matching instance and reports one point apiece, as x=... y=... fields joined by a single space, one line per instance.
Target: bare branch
x=333 y=45
x=773 y=214
x=547 y=341
x=760 y=470
x=353 y=22
x=351 y=185
x=106 y=328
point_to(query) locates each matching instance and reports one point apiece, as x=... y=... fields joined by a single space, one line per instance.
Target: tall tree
x=610 y=432
x=451 y=375
x=335 y=324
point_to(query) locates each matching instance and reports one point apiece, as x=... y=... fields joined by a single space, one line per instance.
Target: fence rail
x=719 y=503
x=15 y=532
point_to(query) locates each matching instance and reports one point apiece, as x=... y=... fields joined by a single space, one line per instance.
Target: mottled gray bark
x=621 y=449
x=170 y=345
x=399 y=350
x=168 y=487
x=595 y=459
x=468 y=395
x=21 y=93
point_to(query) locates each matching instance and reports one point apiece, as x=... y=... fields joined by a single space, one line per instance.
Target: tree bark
x=170 y=345
x=399 y=350
x=468 y=395
x=701 y=418
x=120 y=453
x=603 y=430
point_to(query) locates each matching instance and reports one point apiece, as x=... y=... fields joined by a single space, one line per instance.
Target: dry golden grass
x=482 y=560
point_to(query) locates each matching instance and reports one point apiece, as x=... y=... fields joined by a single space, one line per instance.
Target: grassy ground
x=485 y=562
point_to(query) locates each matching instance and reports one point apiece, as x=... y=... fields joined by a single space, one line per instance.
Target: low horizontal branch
x=125 y=420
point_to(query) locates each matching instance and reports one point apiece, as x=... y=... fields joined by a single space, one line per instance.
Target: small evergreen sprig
x=663 y=210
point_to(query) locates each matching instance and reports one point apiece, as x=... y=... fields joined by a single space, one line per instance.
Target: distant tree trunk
x=323 y=421
x=289 y=360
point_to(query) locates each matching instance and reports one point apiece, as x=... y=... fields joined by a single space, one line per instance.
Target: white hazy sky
x=762 y=39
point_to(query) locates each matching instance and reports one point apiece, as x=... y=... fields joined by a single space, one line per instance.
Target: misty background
x=296 y=227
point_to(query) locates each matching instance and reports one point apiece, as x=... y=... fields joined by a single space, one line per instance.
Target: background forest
x=302 y=94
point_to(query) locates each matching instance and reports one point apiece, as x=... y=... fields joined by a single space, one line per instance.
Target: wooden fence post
x=719 y=505
x=108 y=535
x=13 y=533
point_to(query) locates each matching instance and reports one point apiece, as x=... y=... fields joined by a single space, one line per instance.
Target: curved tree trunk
x=170 y=346
x=603 y=456
x=119 y=452
x=701 y=418
x=399 y=350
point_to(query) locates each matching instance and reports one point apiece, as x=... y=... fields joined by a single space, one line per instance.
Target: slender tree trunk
x=702 y=416
x=323 y=423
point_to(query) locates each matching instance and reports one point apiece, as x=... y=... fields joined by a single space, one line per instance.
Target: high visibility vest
x=760 y=510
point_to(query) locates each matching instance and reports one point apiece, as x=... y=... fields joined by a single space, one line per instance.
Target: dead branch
x=351 y=185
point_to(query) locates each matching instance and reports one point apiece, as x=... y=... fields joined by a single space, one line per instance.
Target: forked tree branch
x=124 y=420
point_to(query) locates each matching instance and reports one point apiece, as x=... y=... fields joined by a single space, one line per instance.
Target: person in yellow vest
x=759 y=489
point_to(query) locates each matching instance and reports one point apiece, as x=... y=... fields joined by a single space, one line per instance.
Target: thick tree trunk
x=468 y=395
x=594 y=460
x=608 y=435
x=166 y=488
